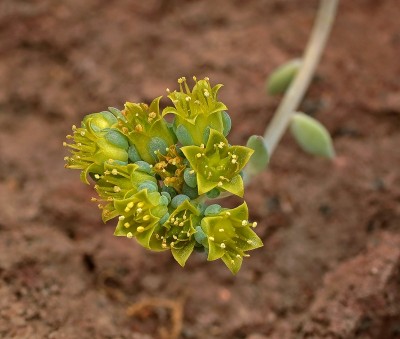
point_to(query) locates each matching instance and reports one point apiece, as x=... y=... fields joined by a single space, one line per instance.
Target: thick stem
x=299 y=86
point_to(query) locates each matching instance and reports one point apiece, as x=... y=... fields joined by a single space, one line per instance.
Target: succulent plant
x=157 y=178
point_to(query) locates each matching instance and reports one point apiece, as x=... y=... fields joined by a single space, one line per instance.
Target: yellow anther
x=121 y=217
x=198 y=155
x=129 y=235
x=130 y=204
x=117 y=189
x=138 y=128
x=146 y=217
x=202 y=146
x=127 y=225
x=152 y=115
x=220 y=184
x=140 y=204
x=140 y=229
x=114 y=171
x=244 y=222
x=96 y=176
x=191 y=172
x=211 y=238
x=249 y=241
x=254 y=224
x=221 y=230
x=223 y=245
x=181 y=224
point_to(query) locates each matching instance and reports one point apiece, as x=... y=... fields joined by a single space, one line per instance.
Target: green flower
x=179 y=230
x=95 y=143
x=197 y=111
x=218 y=164
x=146 y=130
x=230 y=236
x=139 y=217
x=118 y=182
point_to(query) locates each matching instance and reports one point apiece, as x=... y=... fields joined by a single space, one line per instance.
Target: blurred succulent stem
x=296 y=91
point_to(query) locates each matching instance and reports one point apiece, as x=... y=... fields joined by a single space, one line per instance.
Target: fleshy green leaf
x=312 y=136
x=281 y=78
x=259 y=160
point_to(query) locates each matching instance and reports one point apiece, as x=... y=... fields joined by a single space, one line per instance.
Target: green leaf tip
x=281 y=78
x=312 y=136
x=259 y=160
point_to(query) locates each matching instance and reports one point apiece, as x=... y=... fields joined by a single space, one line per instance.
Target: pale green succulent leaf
x=259 y=160
x=312 y=136
x=281 y=78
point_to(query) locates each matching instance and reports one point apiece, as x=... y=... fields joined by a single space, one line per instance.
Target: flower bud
x=178 y=200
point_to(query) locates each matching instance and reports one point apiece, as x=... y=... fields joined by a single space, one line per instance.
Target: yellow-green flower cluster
x=156 y=177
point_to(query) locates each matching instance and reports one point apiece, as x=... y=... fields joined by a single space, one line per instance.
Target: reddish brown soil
x=330 y=267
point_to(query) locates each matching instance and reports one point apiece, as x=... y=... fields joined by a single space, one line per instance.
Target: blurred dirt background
x=330 y=267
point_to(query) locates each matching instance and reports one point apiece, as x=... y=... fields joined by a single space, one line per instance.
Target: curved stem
x=296 y=91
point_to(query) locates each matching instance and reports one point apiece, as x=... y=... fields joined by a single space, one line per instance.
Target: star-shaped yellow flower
x=218 y=164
